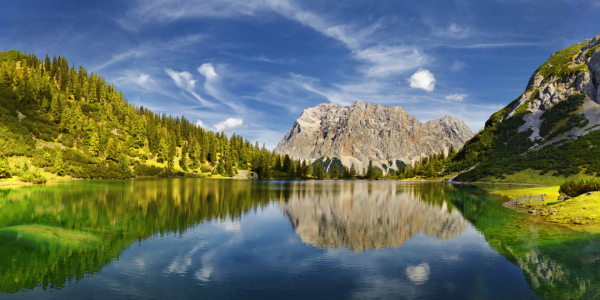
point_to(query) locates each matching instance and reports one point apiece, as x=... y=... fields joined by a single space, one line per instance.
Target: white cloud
x=213 y=87
x=388 y=60
x=385 y=59
x=456 y=97
x=457 y=65
x=422 y=79
x=199 y=123
x=419 y=274
x=138 y=52
x=143 y=81
x=208 y=71
x=494 y=45
x=452 y=31
x=184 y=81
x=229 y=124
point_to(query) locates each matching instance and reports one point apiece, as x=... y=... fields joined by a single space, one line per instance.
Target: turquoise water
x=208 y=239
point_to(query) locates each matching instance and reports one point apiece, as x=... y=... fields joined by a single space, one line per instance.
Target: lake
x=230 y=239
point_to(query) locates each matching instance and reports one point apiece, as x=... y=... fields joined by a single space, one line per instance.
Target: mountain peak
x=366 y=134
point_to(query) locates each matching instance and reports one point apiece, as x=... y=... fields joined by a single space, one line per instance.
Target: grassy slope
x=566 y=212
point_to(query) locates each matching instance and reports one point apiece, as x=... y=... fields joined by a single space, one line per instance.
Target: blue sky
x=252 y=66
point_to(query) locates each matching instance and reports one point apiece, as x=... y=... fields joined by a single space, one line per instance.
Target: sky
x=251 y=66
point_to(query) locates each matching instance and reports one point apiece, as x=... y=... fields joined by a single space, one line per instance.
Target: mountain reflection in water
x=363 y=216
x=55 y=235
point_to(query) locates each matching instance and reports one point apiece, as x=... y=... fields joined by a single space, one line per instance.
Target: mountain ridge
x=551 y=126
x=363 y=134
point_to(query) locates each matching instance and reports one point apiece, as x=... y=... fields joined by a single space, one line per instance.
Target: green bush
x=204 y=169
x=147 y=170
x=574 y=188
x=33 y=178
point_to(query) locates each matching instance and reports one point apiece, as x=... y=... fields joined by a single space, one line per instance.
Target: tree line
x=68 y=121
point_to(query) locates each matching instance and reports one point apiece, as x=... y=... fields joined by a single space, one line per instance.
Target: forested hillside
x=56 y=120
x=548 y=132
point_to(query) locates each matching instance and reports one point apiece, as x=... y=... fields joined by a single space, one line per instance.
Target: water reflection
x=50 y=236
x=558 y=263
x=53 y=235
x=363 y=215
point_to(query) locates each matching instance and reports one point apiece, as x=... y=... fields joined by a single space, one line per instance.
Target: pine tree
x=4 y=168
x=298 y=167
x=59 y=164
x=335 y=173
x=197 y=156
x=45 y=104
x=288 y=166
x=370 y=172
x=94 y=144
x=451 y=151
x=112 y=151
x=182 y=160
x=304 y=169
x=318 y=172
x=352 y=171
x=56 y=108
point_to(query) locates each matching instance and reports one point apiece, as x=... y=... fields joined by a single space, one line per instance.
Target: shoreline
x=578 y=213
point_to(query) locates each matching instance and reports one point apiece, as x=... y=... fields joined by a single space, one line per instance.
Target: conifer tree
x=451 y=151
x=56 y=108
x=304 y=169
x=59 y=164
x=4 y=168
x=182 y=160
x=318 y=172
x=335 y=173
x=112 y=151
x=45 y=104
x=197 y=156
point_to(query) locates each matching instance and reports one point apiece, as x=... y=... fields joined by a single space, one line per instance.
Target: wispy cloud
x=214 y=88
x=176 y=44
x=456 y=97
x=184 y=81
x=457 y=65
x=137 y=52
x=143 y=81
x=494 y=45
x=386 y=60
x=383 y=59
x=452 y=31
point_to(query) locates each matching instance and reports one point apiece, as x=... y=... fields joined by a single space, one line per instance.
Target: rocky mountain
x=363 y=216
x=385 y=136
x=551 y=127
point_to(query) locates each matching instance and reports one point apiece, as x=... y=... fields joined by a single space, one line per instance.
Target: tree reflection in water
x=52 y=235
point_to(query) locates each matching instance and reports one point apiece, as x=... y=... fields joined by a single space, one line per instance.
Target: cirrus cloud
x=456 y=97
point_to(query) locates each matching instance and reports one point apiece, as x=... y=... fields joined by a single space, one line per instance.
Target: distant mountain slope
x=552 y=127
x=384 y=136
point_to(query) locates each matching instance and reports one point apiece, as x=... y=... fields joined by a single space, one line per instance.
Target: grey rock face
x=553 y=89
x=363 y=133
